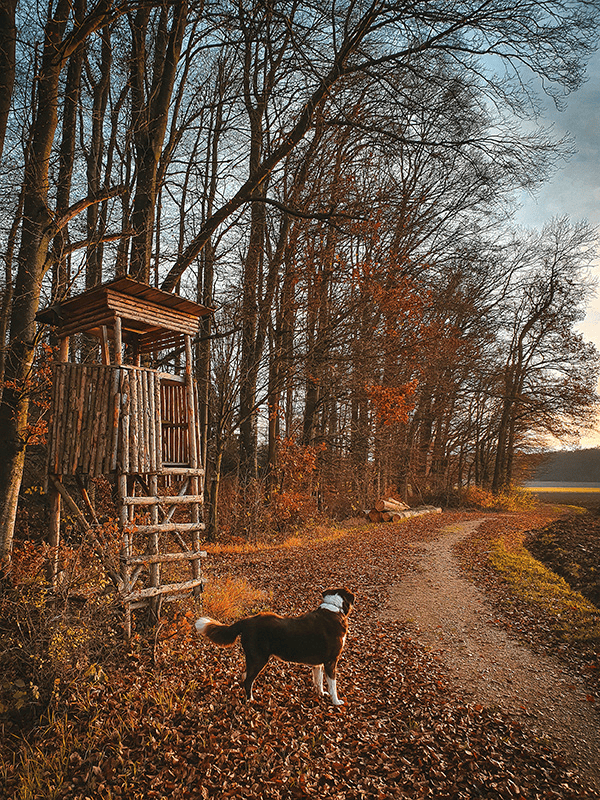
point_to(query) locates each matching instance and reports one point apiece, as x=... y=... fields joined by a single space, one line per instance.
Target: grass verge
x=571 y=616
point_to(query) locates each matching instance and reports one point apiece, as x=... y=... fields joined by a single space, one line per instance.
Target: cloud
x=574 y=190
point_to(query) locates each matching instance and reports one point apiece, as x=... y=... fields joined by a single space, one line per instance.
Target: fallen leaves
x=179 y=728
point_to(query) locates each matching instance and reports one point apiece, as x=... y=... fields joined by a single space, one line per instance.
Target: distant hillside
x=569 y=465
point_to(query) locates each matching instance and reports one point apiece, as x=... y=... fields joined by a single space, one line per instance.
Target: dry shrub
x=292 y=509
x=48 y=638
x=512 y=499
x=243 y=512
x=293 y=501
x=229 y=598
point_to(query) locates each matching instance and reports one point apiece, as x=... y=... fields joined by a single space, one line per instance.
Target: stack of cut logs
x=392 y=510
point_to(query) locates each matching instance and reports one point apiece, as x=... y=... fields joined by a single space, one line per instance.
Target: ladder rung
x=168 y=526
x=160 y=558
x=167 y=588
x=166 y=470
x=145 y=500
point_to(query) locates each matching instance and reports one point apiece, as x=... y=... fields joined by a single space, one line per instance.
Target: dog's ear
x=348 y=599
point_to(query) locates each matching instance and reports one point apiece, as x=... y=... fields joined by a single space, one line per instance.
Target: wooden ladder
x=155 y=533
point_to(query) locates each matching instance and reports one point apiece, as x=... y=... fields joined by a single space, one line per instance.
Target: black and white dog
x=316 y=638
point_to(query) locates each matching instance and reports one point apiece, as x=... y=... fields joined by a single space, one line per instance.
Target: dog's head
x=345 y=595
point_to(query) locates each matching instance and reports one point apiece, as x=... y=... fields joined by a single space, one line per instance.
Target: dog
x=316 y=638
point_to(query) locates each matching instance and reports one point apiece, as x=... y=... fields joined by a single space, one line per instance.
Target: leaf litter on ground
x=174 y=725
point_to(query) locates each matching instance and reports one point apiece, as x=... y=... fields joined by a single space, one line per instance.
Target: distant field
x=564 y=493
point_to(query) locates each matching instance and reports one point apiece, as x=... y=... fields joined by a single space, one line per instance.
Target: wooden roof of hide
x=151 y=318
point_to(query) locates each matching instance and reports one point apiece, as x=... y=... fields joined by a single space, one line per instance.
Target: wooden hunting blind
x=138 y=424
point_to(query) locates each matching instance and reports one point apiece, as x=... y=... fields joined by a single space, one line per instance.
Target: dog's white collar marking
x=333 y=602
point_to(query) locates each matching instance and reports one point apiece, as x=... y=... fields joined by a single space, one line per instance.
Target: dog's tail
x=218 y=633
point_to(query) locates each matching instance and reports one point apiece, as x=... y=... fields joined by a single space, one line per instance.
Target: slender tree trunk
x=151 y=117
x=249 y=355
x=212 y=511
x=8 y=38
x=275 y=352
x=500 y=465
x=5 y=309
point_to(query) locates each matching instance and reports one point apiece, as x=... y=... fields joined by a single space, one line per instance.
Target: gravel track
x=456 y=620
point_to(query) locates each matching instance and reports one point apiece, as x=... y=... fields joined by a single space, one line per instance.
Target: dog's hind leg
x=254 y=667
x=317 y=674
x=331 y=684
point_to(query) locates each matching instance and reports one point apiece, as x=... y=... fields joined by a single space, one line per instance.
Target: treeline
x=335 y=179
x=569 y=466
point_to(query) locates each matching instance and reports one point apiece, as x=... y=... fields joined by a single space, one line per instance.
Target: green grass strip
x=566 y=611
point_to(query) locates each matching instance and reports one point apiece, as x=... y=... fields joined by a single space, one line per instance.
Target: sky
x=574 y=191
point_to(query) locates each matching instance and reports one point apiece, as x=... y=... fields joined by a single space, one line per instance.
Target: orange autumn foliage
x=392 y=404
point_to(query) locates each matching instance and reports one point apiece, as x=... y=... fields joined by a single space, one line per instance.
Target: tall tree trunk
x=151 y=115
x=36 y=234
x=35 y=238
x=8 y=38
x=66 y=161
x=95 y=215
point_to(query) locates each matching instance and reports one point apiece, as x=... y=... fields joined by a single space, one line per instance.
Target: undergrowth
x=230 y=597
x=308 y=536
x=513 y=498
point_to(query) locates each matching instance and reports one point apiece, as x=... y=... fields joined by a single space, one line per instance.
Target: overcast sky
x=574 y=191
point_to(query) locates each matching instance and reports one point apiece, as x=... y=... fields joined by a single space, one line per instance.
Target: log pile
x=392 y=510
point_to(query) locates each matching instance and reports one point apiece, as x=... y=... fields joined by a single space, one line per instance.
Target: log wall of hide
x=109 y=417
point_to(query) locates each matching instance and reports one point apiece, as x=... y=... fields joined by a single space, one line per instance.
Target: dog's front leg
x=331 y=684
x=317 y=673
x=248 y=696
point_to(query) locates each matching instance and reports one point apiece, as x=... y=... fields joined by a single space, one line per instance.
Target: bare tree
x=151 y=97
x=38 y=229
x=541 y=352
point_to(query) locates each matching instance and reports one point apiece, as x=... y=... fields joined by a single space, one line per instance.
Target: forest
x=337 y=180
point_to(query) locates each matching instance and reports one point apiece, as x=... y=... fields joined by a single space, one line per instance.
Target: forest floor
x=454 y=687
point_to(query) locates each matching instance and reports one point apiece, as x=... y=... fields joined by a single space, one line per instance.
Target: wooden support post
x=195 y=518
x=118 y=340
x=104 y=345
x=125 y=547
x=153 y=549
x=63 y=350
x=191 y=406
x=53 y=532
x=54 y=497
x=193 y=456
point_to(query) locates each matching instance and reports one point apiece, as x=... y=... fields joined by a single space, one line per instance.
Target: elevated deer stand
x=136 y=424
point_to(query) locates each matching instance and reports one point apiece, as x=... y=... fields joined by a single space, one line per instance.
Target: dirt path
x=455 y=618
